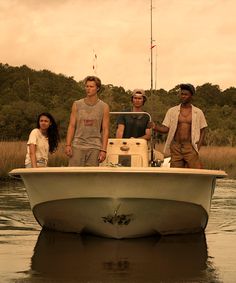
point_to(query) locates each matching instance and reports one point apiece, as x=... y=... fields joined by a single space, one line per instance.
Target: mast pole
x=151 y=59
x=151 y=86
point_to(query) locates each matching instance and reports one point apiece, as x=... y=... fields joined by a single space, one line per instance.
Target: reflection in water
x=93 y=259
x=71 y=258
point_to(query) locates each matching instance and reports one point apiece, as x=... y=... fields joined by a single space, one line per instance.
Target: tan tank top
x=88 y=132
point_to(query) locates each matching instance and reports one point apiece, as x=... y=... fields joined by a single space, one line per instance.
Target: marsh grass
x=58 y=158
x=220 y=158
x=12 y=155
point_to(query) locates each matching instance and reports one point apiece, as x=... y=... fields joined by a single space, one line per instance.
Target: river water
x=28 y=254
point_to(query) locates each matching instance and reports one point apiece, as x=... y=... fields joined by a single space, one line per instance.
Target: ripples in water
x=43 y=256
x=223 y=208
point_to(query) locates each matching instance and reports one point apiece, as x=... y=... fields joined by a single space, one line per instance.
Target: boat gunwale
x=117 y=170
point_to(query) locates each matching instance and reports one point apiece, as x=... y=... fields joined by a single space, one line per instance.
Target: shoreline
x=13 y=156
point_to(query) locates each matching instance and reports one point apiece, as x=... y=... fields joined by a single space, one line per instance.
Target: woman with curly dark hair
x=42 y=140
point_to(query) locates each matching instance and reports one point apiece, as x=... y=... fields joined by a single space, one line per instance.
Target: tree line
x=24 y=93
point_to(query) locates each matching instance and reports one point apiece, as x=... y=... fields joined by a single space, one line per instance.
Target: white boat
x=123 y=198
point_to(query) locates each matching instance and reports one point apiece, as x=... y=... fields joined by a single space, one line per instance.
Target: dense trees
x=24 y=93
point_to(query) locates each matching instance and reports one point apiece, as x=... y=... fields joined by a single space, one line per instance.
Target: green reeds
x=12 y=155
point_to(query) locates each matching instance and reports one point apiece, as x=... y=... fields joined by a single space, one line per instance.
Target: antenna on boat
x=151 y=48
x=152 y=45
x=155 y=87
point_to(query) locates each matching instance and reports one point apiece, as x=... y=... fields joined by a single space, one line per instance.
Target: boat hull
x=121 y=202
x=121 y=218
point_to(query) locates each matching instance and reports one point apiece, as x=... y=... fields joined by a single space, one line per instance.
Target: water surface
x=28 y=254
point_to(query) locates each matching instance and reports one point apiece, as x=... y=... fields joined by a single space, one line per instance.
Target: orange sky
x=195 y=40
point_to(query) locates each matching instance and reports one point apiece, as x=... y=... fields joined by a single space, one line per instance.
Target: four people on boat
x=185 y=125
x=88 y=130
x=134 y=125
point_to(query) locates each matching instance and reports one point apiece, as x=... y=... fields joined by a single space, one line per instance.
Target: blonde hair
x=93 y=79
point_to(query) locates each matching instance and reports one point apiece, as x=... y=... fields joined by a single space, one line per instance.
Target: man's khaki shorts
x=183 y=155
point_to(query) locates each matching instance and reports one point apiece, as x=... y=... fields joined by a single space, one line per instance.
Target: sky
x=195 y=40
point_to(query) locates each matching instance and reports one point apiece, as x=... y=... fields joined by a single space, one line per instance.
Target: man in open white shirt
x=185 y=125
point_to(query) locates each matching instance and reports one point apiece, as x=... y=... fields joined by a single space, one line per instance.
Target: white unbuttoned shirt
x=42 y=147
x=171 y=122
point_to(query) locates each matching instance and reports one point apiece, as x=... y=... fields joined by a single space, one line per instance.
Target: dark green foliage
x=24 y=93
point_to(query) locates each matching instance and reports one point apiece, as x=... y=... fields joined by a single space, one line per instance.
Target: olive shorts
x=84 y=157
x=183 y=155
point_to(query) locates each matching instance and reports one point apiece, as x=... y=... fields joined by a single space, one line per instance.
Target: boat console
x=127 y=152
